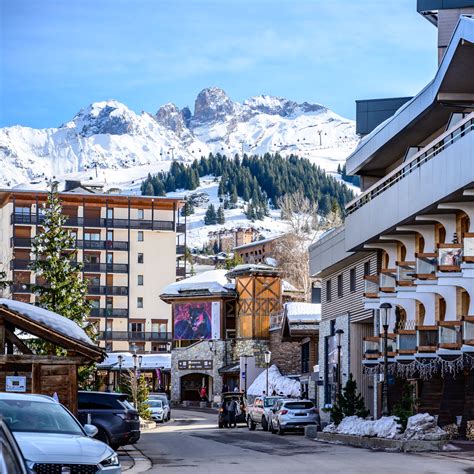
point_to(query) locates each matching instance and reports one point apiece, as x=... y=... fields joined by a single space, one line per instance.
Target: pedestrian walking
x=232 y=410
x=274 y=393
x=203 y=394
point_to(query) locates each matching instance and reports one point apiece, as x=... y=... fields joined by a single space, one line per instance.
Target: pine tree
x=188 y=208
x=349 y=403
x=149 y=190
x=4 y=283
x=220 y=215
x=210 y=218
x=405 y=407
x=63 y=291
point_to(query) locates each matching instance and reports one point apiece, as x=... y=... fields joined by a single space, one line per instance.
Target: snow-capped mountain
x=109 y=141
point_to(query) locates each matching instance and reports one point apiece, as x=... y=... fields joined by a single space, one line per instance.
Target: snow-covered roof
x=258 y=242
x=149 y=361
x=213 y=281
x=277 y=382
x=303 y=312
x=287 y=286
x=54 y=321
x=250 y=268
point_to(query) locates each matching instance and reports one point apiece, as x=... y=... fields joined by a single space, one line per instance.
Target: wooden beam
x=18 y=342
x=2 y=336
x=37 y=359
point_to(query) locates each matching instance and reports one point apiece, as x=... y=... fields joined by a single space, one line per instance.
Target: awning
x=230 y=369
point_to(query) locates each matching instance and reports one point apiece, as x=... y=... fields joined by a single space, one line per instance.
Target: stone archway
x=190 y=386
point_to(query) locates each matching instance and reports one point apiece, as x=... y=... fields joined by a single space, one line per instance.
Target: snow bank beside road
x=276 y=381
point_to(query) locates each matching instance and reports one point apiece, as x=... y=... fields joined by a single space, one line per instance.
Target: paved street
x=192 y=443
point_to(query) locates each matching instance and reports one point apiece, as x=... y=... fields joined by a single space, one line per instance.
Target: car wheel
x=221 y=425
x=281 y=431
x=103 y=436
x=264 y=424
x=251 y=424
x=272 y=430
x=169 y=416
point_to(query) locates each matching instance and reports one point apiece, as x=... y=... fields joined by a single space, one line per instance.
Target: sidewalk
x=133 y=460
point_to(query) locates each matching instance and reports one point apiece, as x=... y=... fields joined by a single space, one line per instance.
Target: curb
x=140 y=462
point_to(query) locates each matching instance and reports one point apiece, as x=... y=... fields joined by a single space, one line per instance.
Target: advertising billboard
x=195 y=321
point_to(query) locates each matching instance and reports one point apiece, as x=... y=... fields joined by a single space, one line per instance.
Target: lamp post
x=385 y=307
x=134 y=383
x=120 y=362
x=268 y=357
x=339 y=334
x=245 y=373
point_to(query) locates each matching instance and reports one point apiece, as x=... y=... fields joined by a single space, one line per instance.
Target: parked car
x=164 y=398
x=51 y=439
x=117 y=421
x=159 y=411
x=11 y=458
x=259 y=412
x=227 y=397
x=291 y=415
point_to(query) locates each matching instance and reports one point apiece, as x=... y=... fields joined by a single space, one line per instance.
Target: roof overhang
x=429 y=8
x=450 y=91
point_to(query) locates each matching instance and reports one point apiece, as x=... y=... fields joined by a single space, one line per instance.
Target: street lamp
x=268 y=357
x=339 y=334
x=245 y=356
x=120 y=362
x=385 y=307
x=140 y=360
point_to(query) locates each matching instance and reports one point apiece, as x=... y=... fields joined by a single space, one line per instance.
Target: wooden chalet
x=23 y=371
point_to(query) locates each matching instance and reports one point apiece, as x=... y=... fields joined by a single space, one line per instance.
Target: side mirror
x=91 y=430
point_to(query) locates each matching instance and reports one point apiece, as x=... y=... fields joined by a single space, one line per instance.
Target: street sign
x=195 y=364
x=243 y=375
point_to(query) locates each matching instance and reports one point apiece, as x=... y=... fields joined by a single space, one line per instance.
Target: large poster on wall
x=195 y=321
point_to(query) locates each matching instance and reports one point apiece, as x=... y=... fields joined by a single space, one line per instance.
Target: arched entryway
x=191 y=385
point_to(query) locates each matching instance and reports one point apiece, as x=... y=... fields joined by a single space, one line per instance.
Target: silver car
x=291 y=415
x=51 y=439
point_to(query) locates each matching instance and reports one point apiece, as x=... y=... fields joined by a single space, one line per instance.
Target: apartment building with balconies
x=130 y=247
x=416 y=210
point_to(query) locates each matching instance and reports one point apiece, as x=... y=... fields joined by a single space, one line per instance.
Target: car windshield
x=269 y=402
x=127 y=404
x=155 y=403
x=299 y=405
x=38 y=417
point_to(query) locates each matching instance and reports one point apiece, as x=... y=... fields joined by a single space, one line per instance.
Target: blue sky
x=57 y=56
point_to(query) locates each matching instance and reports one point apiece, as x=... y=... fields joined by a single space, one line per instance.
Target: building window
x=159 y=348
x=140 y=258
x=110 y=235
x=110 y=213
x=339 y=286
x=305 y=358
x=92 y=236
x=352 y=279
x=140 y=236
x=139 y=302
x=328 y=290
x=140 y=280
x=159 y=327
x=367 y=268
x=141 y=214
x=110 y=258
x=137 y=327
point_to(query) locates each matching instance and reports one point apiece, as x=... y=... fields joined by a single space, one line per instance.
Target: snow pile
x=277 y=382
x=214 y=281
x=385 y=427
x=423 y=426
x=419 y=427
x=53 y=321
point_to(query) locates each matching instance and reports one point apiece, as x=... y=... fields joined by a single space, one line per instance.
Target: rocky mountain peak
x=171 y=117
x=107 y=117
x=272 y=105
x=212 y=104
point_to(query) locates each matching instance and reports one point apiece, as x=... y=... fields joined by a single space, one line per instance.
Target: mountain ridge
x=122 y=146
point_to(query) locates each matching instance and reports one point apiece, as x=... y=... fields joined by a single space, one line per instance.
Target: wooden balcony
x=371 y=286
x=450 y=334
x=406 y=273
x=426 y=266
x=449 y=257
x=388 y=280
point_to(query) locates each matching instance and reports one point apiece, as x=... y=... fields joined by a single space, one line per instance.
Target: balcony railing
x=106 y=267
x=109 y=312
x=371 y=347
x=426 y=265
x=21 y=264
x=406 y=272
x=450 y=334
x=468 y=330
x=33 y=219
x=181 y=272
x=180 y=249
x=406 y=342
x=427 y=338
x=388 y=280
x=391 y=344
x=468 y=248
x=81 y=244
x=413 y=164
x=135 y=336
x=21 y=288
x=276 y=320
x=371 y=286
x=449 y=257
x=108 y=290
